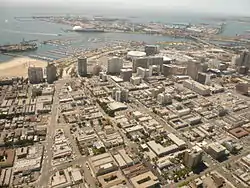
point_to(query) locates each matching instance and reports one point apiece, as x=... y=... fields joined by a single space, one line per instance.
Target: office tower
x=82 y=66
x=35 y=75
x=243 y=59
x=135 y=80
x=164 y=98
x=115 y=65
x=126 y=74
x=142 y=72
x=151 y=49
x=124 y=95
x=120 y=95
x=51 y=72
x=193 y=68
x=202 y=77
x=192 y=158
x=145 y=62
x=96 y=69
x=169 y=70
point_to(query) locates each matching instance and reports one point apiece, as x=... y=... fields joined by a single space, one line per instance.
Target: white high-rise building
x=35 y=75
x=82 y=66
x=115 y=65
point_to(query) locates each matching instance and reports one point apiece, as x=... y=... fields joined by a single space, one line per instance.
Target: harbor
x=60 y=43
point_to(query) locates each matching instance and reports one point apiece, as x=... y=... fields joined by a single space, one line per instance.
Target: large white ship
x=80 y=29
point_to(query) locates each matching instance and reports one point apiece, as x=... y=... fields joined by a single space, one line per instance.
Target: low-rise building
x=216 y=150
x=145 y=180
x=123 y=159
x=111 y=179
x=102 y=164
x=197 y=87
x=160 y=150
x=8 y=157
x=180 y=143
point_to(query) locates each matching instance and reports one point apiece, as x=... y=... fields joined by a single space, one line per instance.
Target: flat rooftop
x=145 y=180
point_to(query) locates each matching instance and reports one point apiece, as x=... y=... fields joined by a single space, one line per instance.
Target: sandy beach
x=19 y=66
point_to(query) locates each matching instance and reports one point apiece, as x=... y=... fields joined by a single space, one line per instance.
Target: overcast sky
x=234 y=7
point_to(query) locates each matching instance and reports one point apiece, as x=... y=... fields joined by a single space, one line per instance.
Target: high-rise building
x=124 y=95
x=140 y=62
x=151 y=49
x=145 y=62
x=170 y=70
x=115 y=65
x=166 y=70
x=155 y=60
x=193 y=68
x=82 y=66
x=135 y=80
x=103 y=76
x=202 y=77
x=35 y=75
x=164 y=98
x=96 y=69
x=192 y=158
x=243 y=59
x=142 y=72
x=51 y=72
x=126 y=74
x=120 y=95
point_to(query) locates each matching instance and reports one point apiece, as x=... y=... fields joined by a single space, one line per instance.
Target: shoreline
x=19 y=66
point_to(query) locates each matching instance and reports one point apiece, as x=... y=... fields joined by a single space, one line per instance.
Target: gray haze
x=225 y=7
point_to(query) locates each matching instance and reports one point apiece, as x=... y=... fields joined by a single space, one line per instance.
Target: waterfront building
x=35 y=75
x=51 y=72
x=82 y=66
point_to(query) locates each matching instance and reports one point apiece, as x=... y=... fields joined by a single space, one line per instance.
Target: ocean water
x=14 y=31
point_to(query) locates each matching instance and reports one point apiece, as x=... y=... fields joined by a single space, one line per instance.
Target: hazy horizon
x=211 y=7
